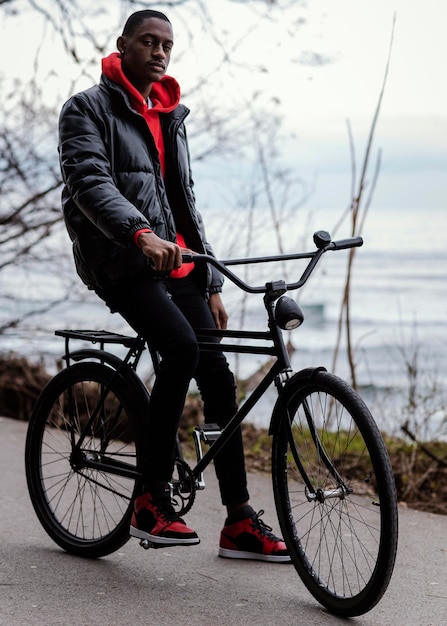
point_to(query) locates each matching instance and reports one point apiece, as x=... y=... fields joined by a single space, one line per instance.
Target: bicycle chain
x=186 y=499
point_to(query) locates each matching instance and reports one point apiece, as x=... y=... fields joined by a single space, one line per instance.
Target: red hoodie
x=165 y=96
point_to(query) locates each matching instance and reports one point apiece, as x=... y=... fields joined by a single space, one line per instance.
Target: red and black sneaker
x=250 y=538
x=157 y=522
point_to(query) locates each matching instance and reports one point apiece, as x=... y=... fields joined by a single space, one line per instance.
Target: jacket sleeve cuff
x=215 y=289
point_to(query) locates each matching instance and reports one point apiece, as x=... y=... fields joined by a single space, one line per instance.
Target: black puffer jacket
x=114 y=187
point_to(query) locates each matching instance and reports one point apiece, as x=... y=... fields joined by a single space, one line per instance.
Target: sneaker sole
x=163 y=541
x=240 y=554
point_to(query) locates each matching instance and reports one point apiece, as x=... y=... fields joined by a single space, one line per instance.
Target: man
x=130 y=210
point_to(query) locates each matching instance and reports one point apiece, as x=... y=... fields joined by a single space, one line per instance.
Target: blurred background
x=304 y=116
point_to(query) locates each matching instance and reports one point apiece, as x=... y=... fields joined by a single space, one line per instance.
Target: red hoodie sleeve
x=138 y=233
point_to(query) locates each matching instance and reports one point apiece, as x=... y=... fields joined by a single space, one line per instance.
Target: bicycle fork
x=316 y=494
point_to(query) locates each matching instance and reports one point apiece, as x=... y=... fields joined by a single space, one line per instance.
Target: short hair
x=134 y=20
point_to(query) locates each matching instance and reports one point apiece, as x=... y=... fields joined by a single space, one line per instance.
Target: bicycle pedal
x=208 y=433
x=146 y=544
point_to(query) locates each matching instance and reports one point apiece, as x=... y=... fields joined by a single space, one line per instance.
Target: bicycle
x=332 y=479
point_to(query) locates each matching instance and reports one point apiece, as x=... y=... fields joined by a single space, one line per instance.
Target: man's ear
x=121 y=43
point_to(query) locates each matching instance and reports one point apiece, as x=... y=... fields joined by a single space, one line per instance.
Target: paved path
x=41 y=585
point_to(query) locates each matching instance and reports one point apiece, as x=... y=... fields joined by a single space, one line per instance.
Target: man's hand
x=218 y=310
x=165 y=255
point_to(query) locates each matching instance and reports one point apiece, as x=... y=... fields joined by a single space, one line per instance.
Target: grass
x=419 y=465
x=419 y=468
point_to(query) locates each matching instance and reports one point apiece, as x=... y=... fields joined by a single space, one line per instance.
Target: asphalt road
x=42 y=585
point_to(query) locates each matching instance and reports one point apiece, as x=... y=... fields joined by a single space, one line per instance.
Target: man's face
x=147 y=52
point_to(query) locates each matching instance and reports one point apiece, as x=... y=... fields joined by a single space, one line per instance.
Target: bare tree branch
x=30 y=214
x=357 y=222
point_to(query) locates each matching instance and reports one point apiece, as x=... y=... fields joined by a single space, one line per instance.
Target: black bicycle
x=332 y=478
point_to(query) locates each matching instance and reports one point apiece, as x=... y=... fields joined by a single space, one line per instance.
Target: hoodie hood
x=165 y=97
x=165 y=94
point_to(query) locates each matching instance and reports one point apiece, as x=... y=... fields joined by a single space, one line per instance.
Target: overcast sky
x=317 y=101
x=412 y=129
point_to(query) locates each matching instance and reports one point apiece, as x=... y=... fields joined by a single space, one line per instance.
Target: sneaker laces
x=262 y=527
x=166 y=511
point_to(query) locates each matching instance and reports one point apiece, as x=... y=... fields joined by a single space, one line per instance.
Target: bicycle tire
x=85 y=510
x=341 y=527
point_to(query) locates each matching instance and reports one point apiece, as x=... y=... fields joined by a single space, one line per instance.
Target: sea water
x=398 y=315
x=398 y=306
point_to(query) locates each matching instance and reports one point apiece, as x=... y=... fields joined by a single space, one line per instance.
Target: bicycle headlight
x=288 y=314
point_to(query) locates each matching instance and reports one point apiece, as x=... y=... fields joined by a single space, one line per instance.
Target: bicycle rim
x=83 y=416
x=335 y=494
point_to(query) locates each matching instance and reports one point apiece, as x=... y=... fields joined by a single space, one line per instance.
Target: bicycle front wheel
x=81 y=459
x=335 y=493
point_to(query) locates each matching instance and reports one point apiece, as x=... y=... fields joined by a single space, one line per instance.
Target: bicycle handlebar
x=321 y=238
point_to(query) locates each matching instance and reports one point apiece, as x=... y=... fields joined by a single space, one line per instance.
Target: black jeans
x=165 y=313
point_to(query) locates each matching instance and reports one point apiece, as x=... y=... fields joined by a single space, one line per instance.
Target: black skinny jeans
x=165 y=313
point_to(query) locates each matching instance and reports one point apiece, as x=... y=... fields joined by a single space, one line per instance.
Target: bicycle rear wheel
x=335 y=494
x=82 y=459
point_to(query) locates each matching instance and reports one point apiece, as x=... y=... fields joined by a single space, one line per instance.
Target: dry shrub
x=421 y=479
x=20 y=384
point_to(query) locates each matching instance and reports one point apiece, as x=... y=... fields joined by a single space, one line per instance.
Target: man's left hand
x=218 y=310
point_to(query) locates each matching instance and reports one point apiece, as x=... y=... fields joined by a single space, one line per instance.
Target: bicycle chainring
x=183 y=487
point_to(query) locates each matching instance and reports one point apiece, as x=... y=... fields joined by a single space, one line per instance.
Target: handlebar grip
x=187 y=257
x=353 y=242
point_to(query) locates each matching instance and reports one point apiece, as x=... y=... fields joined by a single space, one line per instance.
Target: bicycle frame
x=279 y=372
x=332 y=479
